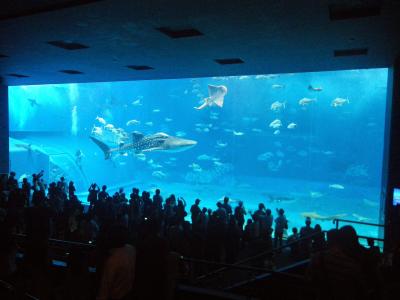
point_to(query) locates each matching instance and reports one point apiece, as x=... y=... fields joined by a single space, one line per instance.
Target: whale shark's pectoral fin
x=152 y=149
x=137 y=136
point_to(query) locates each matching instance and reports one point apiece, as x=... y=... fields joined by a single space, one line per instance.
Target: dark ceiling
x=86 y=41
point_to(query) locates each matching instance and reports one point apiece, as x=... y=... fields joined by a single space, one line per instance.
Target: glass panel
x=310 y=143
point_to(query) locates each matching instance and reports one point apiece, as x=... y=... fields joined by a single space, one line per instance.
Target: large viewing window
x=311 y=143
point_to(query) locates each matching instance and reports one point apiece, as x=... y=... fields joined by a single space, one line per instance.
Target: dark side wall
x=392 y=213
x=4 y=158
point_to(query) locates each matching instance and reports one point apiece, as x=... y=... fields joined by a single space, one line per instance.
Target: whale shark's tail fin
x=103 y=147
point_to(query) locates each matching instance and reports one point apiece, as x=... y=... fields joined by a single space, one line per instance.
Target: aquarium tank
x=310 y=143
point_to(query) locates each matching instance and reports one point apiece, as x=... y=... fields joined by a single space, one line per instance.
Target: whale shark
x=140 y=143
x=216 y=94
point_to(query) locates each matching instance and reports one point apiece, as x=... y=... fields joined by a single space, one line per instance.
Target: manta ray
x=216 y=94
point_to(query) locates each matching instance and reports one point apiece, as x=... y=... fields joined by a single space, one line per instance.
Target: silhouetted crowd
x=138 y=239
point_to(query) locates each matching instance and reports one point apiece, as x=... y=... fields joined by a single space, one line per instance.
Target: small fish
x=132 y=122
x=256 y=130
x=277 y=86
x=137 y=102
x=279 y=198
x=314 y=215
x=221 y=144
x=180 y=133
x=206 y=129
x=109 y=127
x=315 y=195
x=101 y=120
x=148 y=123
x=204 y=157
x=278 y=106
x=292 y=125
x=327 y=152
x=265 y=156
x=337 y=102
x=277 y=132
x=370 y=203
x=195 y=167
x=249 y=119
x=141 y=156
x=159 y=174
x=314 y=89
x=218 y=163
x=275 y=124
x=168 y=120
x=156 y=110
x=306 y=101
x=122 y=163
x=33 y=102
x=268 y=76
x=361 y=218
x=336 y=186
x=238 y=133
x=156 y=166
x=221 y=199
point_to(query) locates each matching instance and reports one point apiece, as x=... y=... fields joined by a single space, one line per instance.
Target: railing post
x=4 y=130
x=336 y=221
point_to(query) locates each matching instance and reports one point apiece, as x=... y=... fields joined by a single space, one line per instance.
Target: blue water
x=329 y=164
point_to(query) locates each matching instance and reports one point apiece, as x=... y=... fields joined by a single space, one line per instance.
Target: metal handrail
x=262 y=276
x=270 y=251
x=234 y=266
x=62 y=242
x=368 y=237
x=9 y=287
x=336 y=221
